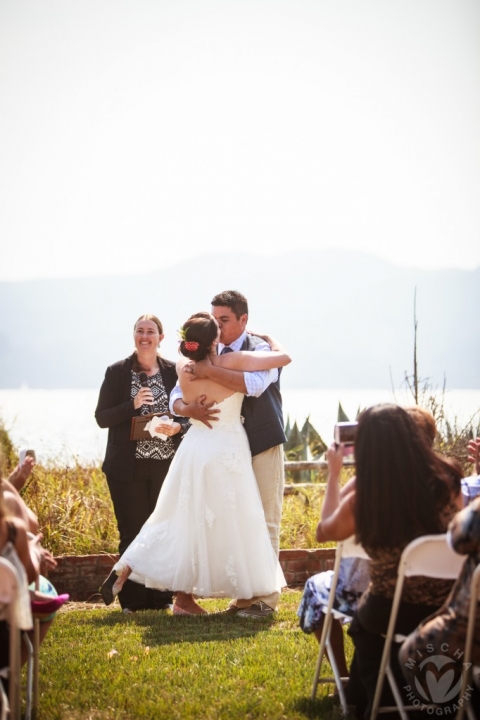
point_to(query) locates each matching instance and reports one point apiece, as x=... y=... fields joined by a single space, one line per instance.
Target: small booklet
x=142 y=427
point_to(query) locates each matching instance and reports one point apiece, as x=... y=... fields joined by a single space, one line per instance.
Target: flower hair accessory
x=192 y=346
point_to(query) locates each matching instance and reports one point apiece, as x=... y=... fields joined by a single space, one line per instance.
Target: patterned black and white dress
x=154 y=449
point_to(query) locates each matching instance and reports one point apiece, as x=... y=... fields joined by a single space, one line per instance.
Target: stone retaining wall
x=82 y=575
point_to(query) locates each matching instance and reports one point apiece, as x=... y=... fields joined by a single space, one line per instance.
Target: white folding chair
x=428 y=556
x=9 y=584
x=467 y=668
x=346 y=548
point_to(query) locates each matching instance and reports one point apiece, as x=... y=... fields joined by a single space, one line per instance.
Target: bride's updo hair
x=198 y=332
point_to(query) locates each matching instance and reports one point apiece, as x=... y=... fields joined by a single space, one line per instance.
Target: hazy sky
x=136 y=133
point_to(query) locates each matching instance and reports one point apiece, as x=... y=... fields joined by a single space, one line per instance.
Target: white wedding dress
x=207 y=534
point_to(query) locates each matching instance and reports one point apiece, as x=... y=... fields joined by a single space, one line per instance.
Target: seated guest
x=23 y=549
x=444 y=633
x=403 y=490
x=21 y=553
x=15 y=483
x=353 y=579
x=354 y=574
x=471 y=484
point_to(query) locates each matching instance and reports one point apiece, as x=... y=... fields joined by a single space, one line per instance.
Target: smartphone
x=24 y=454
x=345 y=433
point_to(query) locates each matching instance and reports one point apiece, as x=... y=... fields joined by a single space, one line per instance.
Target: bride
x=207 y=535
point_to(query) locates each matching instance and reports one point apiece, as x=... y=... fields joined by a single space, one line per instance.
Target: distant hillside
x=346 y=318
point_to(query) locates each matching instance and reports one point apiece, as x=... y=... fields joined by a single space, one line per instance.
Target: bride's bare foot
x=118 y=584
x=186 y=605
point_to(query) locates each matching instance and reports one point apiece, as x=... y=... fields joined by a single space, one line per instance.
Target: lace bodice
x=229 y=417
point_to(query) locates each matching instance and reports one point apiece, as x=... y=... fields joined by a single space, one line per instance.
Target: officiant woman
x=135 y=470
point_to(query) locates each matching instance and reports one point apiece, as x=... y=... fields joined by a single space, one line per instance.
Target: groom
x=262 y=410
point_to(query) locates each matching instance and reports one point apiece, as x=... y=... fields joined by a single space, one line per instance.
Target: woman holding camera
x=403 y=490
x=135 y=470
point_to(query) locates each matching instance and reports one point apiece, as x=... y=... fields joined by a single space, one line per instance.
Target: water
x=60 y=425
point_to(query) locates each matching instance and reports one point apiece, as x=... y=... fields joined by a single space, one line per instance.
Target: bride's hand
x=274 y=344
x=268 y=338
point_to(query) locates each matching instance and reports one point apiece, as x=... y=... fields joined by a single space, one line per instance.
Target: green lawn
x=97 y=663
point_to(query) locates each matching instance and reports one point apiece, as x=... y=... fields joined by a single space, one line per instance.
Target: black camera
x=345 y=433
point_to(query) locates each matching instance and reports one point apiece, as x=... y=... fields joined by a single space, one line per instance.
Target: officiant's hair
x=234 y=300
x=200 y=329
x=152 y=318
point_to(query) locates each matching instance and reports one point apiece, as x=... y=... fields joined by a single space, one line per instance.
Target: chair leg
x=30 y=672
x=4 y=708
x=321 y=652
x=338 y=678
x=36 y=668
x=396 y=693
x=325 y=645
x=14 y=673
x=463 y=690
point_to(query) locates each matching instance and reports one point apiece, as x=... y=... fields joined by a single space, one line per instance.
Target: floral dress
x=353 y=580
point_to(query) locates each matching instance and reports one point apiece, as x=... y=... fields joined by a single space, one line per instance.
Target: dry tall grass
x=74 y=509
x=76 y=514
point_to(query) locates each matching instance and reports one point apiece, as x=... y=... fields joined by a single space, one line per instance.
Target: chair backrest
x=8 y=586
x=9 y=589
x=350 y=548
x=431 y=556
x=467 y=669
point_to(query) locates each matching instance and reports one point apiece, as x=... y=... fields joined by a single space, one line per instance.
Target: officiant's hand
x=169 y=429
x=143 y=397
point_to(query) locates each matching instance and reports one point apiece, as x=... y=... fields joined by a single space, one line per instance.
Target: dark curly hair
x=201 y=328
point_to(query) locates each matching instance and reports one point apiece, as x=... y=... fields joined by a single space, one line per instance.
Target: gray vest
x=263 y=415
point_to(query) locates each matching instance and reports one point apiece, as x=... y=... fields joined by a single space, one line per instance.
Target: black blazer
x=115 y=411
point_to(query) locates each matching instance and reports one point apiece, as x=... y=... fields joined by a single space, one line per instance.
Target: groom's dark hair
x=232 y=299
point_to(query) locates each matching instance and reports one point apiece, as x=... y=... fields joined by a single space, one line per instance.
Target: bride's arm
x=252 y=360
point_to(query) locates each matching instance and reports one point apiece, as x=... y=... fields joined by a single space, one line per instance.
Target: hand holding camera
x=26 y=462
x=345 y=434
